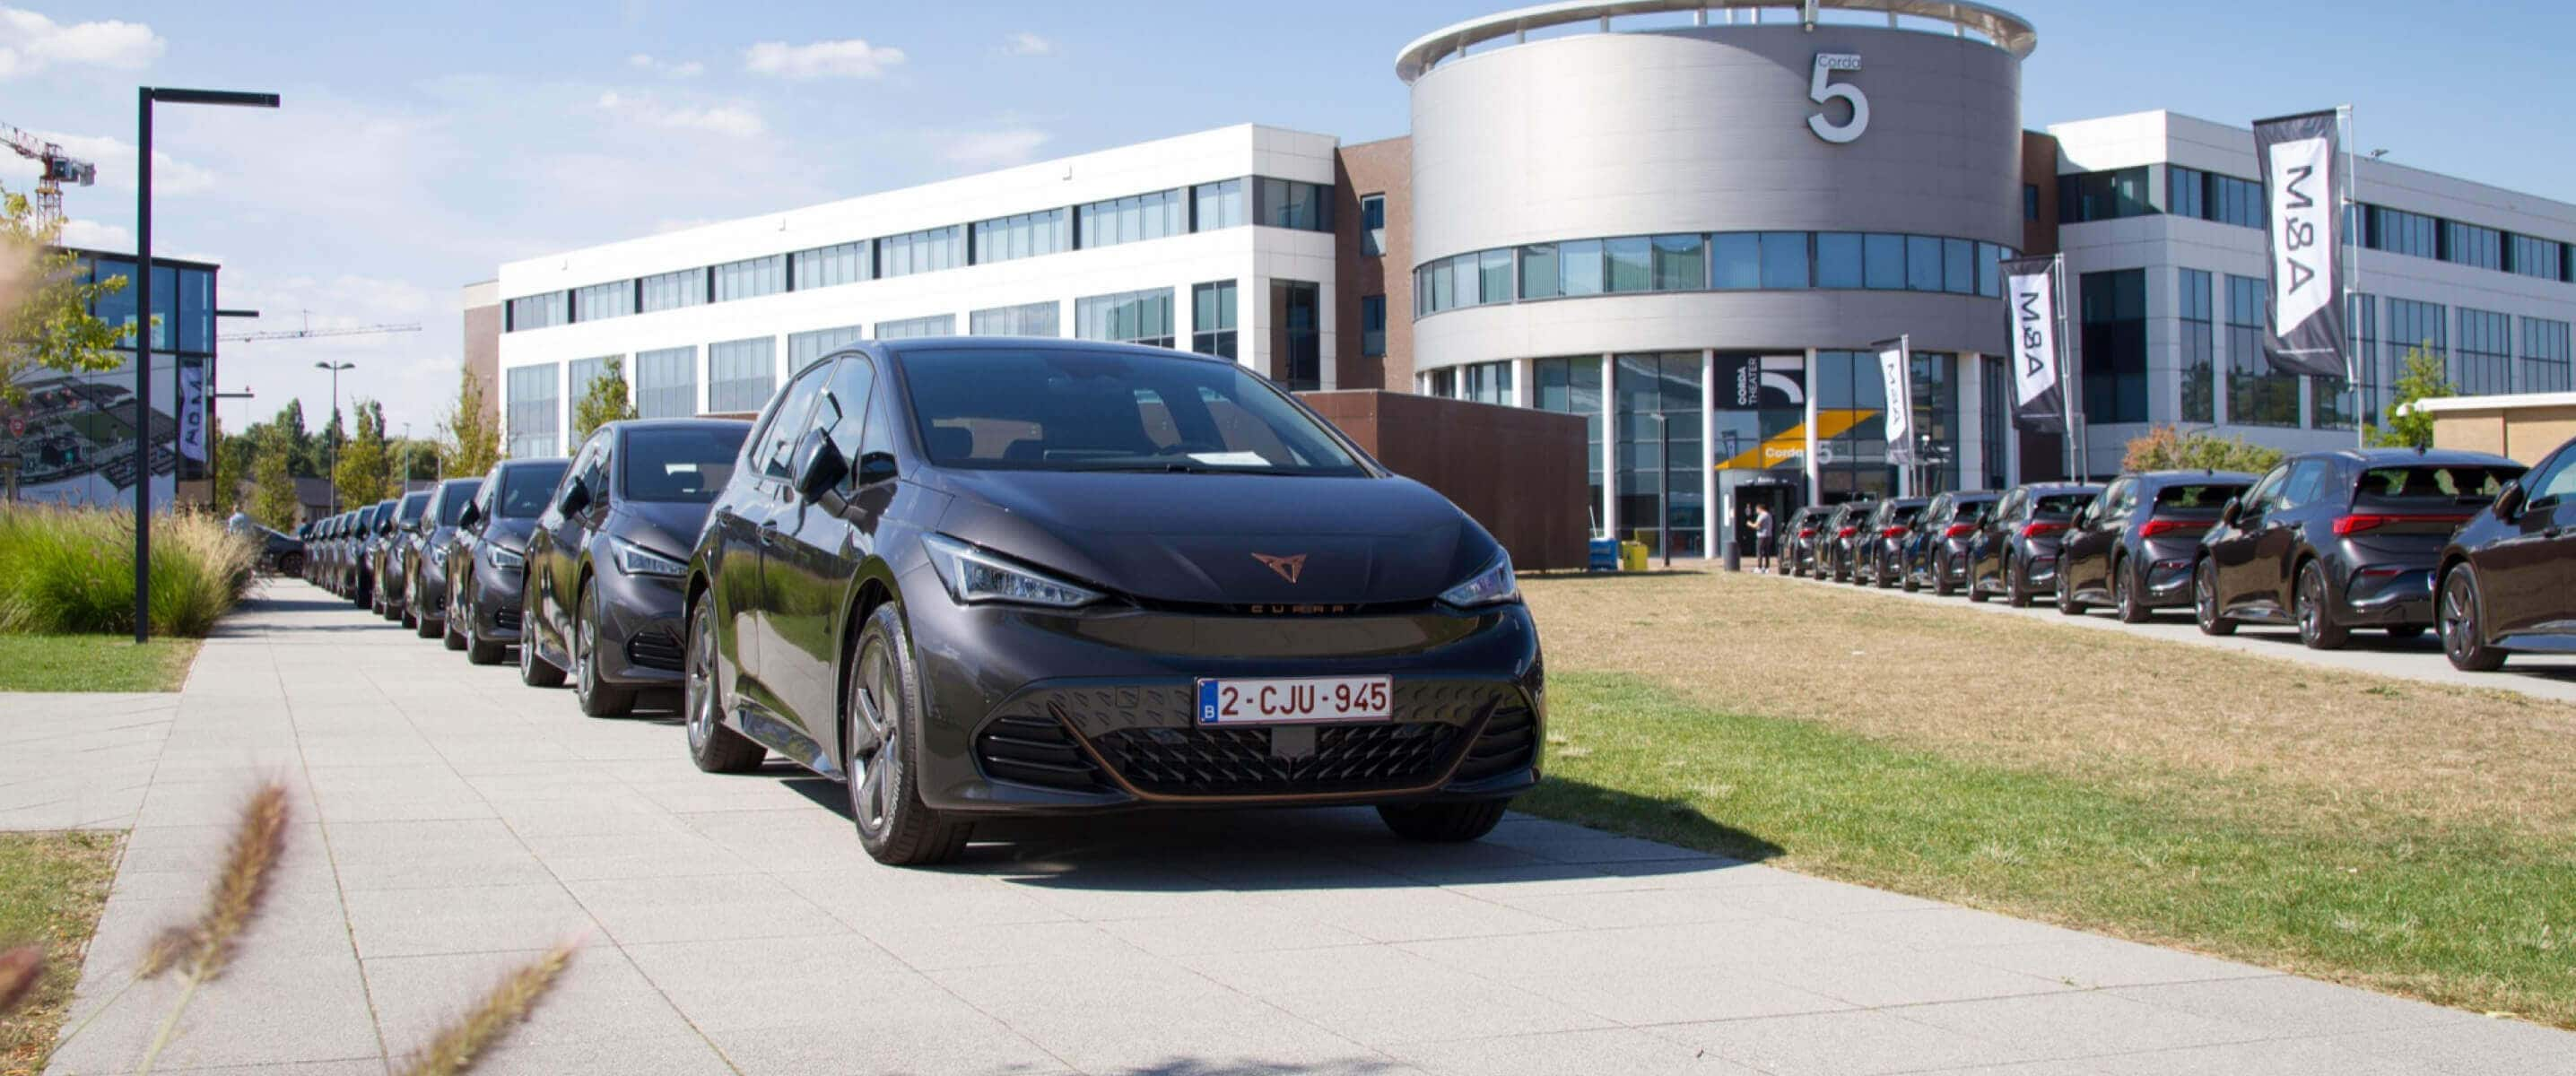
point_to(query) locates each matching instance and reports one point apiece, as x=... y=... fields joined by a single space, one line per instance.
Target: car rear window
x=681 y=464
x=2432 y=485
x=1075 y=410
x=524 y=489
x=2207 y=496
x=2060 y=505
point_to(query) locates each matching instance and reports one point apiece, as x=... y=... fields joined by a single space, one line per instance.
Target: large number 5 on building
x=1821 y=89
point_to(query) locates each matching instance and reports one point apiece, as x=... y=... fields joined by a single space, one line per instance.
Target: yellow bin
x=1632 y=556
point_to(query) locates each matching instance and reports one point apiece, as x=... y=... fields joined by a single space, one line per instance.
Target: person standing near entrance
x=1766 y=538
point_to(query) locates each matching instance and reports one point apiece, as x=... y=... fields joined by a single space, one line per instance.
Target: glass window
x=1735 y=260
x=2199 y=348
x=1923 y=268
x=1212 y=314
x=925 y=251
x=1538 y=272
x=1372 y=325
x=197 y=309
x=805 y=347
x=1578 y=267
x=2482 y=363
x=1026 y=319
x=666 y=382
x=1443 y=281
x=778 y=435
x=2416 y=326
x=1680 y=263
x=1990 y=260
x=2543 y=258
x=848 y=395
x=2114 y=328
x=525 y=313
x=1883 y=263
x=1135 y=317
x=823 y=267
x=1631 y=263
x=1959 y=266
x=2437 y=486
x=1041 y=409
x=1573 y=386
x=1486 y=382
x=741 y=374
x=670 y=291
x=2470 y=244
x=2544 y=355
x=2256 y=395
x=911 y=328
x=614 y=299
x=579 y=373
x=679 y=464
x=1288 y=203
x=1494 y=275
x=1838 y=260
x=2399 y=232
x=1028 y=235
x=2089 y=196
x=1133 y=219
x=1658 y=396
x=1373 y=225
x=1216 y=205
x=527 y=488
x=1296 y=324
x=2186 y=192
x=2363 y=324
x=533 y=408
x=1784 y=260
x=751 y=278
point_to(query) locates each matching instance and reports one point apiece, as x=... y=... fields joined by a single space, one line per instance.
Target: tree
x=272 y=497
x=45 y=319
x=2166 y=448
x=2421 y=378
x=602 y=401
x=469 y=438
x=322 y=455
x=366 y=475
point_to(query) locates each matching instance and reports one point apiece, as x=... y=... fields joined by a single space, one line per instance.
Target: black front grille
x=1245 y=761
x=655 y=649
x=505 y=619
x=1035 y=750
x=1509 y=743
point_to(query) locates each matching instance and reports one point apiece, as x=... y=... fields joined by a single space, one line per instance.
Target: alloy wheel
x=875 y=742
x=2317 y=628
x=698 y=687
x=585 y=675
x=2460 y=626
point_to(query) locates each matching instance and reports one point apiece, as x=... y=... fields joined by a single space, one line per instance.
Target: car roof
x=460 y=483
x=632 y=424
x=2177 y=477
x=2401 y=457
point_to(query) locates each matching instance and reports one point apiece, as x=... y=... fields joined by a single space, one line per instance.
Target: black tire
x=411 y=617
x=2016 y=591
x=2127 y=595
x=2204 y=601
x=2315 y=610
x=1905 y=575
x=1941 y=587
x=534 y=669
x=2463 y=621
x=714 y=747
x=880 y=736
x=2402 y=632
x=2066 y=603
x=598 y=697
x=1446 y=822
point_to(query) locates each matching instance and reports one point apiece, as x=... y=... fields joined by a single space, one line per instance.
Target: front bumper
x=1037 y=712
x=640 y=629
x=492 y=606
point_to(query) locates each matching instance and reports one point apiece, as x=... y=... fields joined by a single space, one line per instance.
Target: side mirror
x=466 y=519
x=875 y=467
x=2509 y=500
x=2228 y=512
x=576 y=496
x=819 y=466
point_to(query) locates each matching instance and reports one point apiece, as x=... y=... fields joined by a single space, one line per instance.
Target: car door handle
x=768 y=532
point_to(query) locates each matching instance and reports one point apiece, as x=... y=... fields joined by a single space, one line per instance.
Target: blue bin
x=1605 y=555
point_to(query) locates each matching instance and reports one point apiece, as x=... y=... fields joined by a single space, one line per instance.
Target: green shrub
x=71 y=570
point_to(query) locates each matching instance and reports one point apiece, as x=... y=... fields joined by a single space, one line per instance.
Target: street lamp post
x=144 y=98
x=332 y=480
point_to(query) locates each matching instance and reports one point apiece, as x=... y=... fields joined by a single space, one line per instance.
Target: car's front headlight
x=1493 y=586
x=504 y=559
x=973 y=575
x=636 y=560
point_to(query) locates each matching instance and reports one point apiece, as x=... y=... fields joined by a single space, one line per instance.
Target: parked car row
x=979 y=577
x=2325 y=543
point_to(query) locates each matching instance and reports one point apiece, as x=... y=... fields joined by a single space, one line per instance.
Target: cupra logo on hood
x=1287 y=567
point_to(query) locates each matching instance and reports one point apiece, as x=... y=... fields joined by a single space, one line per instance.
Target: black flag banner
x=2303 y=185
x=2030 y=297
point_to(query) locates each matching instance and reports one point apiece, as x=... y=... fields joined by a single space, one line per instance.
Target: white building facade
x=1219 y=242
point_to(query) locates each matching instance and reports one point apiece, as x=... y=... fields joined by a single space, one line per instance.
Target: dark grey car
x=487 y=563
x=425 y=603
x=2014 y=553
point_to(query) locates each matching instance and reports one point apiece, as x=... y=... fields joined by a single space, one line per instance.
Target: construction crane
x=57 y=170
x=309 y=332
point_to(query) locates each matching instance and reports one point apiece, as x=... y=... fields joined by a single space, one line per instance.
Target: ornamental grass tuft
x=71 y=571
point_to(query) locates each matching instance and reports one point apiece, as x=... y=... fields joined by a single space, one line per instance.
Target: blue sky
x=422 y=145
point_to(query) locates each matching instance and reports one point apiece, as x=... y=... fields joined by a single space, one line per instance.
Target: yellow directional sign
x=1791 y=443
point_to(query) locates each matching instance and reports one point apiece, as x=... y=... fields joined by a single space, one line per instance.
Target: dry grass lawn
x=52 y=888
x=2151 y=718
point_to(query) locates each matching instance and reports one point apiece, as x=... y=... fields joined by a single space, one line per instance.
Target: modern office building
x=70 y=439
x=1687 y=221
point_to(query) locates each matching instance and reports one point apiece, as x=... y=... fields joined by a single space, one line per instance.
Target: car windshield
x=2198 y=495
x=413 y=505
x=452 y=506
x=2432 y=485
x=1068 y=410
x=524 y=489
x=681 y=464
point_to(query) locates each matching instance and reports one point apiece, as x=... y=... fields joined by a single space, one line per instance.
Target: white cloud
x=96 y=236
x=847 y=58
x=734 y=120
x=990 y=149
x=30 y=43
x=1027 y=44
x=115 y=160
x=667 y=68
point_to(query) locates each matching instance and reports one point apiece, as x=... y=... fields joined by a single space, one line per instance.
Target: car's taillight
x=2363 y=521
x=1806 y=532
x=1959 y=530
x=1893 y=532
x=1847 y=532
x=2155 y=527
x=2034 y=530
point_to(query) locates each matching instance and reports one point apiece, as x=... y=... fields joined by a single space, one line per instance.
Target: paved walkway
x=450 y=822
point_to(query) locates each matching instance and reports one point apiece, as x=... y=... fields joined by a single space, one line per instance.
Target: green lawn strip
x=93 y=663
x=2475 y=918
x=52 y=888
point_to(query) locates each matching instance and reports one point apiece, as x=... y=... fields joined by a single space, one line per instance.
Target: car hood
x=1224 y=538
x=664 y=527
x=510 y=534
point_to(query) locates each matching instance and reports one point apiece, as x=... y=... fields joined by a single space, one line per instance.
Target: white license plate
x=1305 y=700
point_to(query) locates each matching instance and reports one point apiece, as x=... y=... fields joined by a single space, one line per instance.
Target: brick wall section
x=1381 y=167
x=483 y=351
x=1536 y=506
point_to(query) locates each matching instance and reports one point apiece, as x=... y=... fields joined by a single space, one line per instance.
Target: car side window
x=853 y=386
x=778 y=441
x=2261 y=497
x=2306 y=484
x=2555 y=482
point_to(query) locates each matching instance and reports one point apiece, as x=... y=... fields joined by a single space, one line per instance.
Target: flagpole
x=2066 y=386
x=2353 y=360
